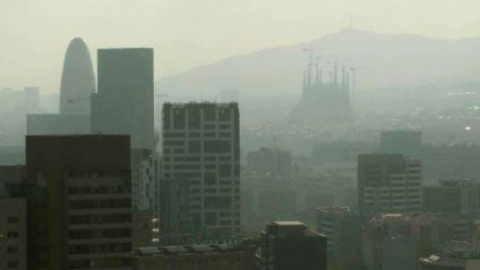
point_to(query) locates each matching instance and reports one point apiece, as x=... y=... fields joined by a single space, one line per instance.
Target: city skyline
x=247 y=26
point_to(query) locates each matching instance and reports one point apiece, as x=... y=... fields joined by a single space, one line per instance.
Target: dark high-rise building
x=78 y=80
x=79 y=202
x=123 y=103
x=389 y=182
x=201 y=144
x=288 y=245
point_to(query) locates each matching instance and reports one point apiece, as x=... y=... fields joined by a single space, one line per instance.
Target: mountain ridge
x=384 y=60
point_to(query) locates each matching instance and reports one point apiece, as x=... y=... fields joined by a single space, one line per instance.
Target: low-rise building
x=459 y=256
x=287 y=245
x=194 y=257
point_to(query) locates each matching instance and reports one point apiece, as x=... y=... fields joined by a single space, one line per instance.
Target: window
x=12 y=235
x=210 y=179
x=12 y=219
x=194 y=147
x=223 y=202
x=12 y=250
x=210 y=218
x=225 y=170
x=12 y=264
x=217 y=147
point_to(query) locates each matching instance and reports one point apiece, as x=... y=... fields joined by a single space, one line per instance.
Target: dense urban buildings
x=24 y=100
x=201 y=144
x=286 y=245
x=389 y=183
x=79 y=202
x=458 y=256
x=123 y=103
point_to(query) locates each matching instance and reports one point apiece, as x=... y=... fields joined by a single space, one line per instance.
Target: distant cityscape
x=121 y=176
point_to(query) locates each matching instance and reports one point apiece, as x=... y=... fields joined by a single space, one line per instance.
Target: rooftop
x=287 y=223
x=178 y=250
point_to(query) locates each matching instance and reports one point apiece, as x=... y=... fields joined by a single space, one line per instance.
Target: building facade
x=389 y=243
x=13 y=230
x=453 y=196
x=343 y=228
x=389 y=183
x=194 y=257
x=79 y=202
x=201 y=144
x=123 y=104
x=287 y=245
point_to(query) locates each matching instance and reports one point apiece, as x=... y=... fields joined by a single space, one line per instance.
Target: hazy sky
x=34 y=34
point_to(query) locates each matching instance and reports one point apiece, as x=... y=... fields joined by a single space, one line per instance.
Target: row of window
x=103 y=233
x=120 y=189
x=99 y=204
x=99 y=219
x=100 y=263
x=100 y=248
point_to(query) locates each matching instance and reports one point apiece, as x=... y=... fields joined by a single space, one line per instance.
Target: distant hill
x=384 y=61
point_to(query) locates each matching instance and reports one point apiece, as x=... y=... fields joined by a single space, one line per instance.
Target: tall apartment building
x=287 y=245
x=389 y=183
x=123 y=104
x=201 y=144
x=79 y=204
